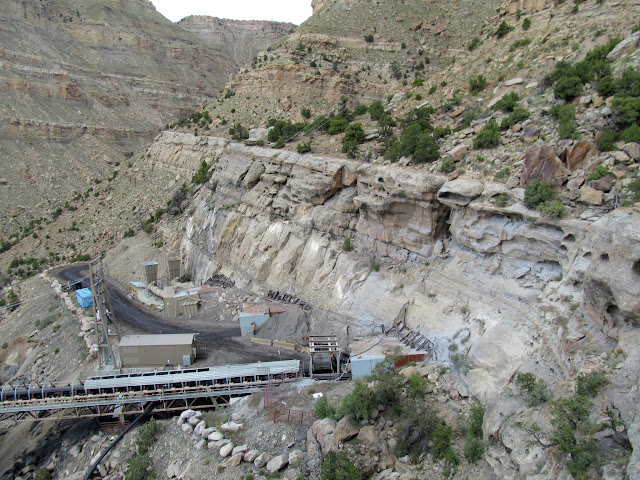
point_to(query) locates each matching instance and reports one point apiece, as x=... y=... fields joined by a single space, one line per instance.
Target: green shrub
x=202 y=175
x=503 y=29
x=518 y=115
x=346 y=245
x=238 y=132
x=138 y=466
x=447 y=166
x=555 y=209
x=632 y=134
x=526 y=24
x=599 y=172
x=476 y=417
x=306 y=113
x=475 y=43
x=533 y=388
x=508 y=102
x=538 y=192
x=323 y=409
x=418 y=82
x=477 y=84
x=338 y=125
x=358 y=404
x=128 y=233
x=567 y=130
x=441 y=438
x=417 y=386
x=41 y=474
x=627 y=110
x=304 y=147
x=489 y=136
x=376 y=110
x=416 y=425
x=568 y=88
x=283 y=130
x=634 y=188
x=147 y=435
x=519 y=43
x=337 y=466
x=473 y=449
x=368 y=38
x=606 y=140
x=589 y=384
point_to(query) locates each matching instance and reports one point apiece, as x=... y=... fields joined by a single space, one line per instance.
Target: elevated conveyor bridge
x=130 y=394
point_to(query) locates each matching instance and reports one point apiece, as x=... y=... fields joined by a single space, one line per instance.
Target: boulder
x=345 y=429
x=185 y=415
x=277 y=463
x=625 y=47
x=239 y=449
x=261 y=460
x=194 y=421
x=74 y=451
x=604 y=184
x=580 y=153
x=250 y=456
x=226 y=450
x=207 y=431
x=252 y=177
x=621 y=157
x=459 y=192
x=215 y=437
x=233 y=460
x=542 y=163
x=200 y=445
x=514 y=81
x=458 y=152
x=295 y=458
x=200 y=427
x=187 y=428
x=530 y=134
x=257 y=136
x=591 y=196
x=231 y=427
x=367 y=436
x=633 y=150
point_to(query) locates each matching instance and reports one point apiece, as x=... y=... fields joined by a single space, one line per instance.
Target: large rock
x=458 y=152
x=295 y=458
x=186 y=415
x=367 y=436
x=542 y=163
x=233 y=461
x=250 y=456
x=231 y=427
x=591 y=196
x=261 y=460
x=257 y=136
x=345 y=430
x=580 y=153
x=239 y=449
x=215 y=436
x=459 y=192
x=226 y=450
x=277 y=463
x=633 y=150
x=625 y=47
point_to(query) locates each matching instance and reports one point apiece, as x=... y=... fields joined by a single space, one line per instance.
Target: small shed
x=84 y=297
x=136 y=287
x=157 y=350
x=363 y=365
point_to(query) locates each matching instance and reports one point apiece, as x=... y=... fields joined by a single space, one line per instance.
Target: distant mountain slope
x=85 y=85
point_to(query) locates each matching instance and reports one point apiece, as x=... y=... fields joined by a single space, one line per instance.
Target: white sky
x=294 y=11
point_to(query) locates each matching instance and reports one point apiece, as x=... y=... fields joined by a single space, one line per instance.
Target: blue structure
x=85 y=298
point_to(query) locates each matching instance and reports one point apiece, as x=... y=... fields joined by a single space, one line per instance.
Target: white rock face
x=475 y=269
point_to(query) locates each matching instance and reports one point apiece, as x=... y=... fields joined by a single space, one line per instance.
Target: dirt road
x=222 y=339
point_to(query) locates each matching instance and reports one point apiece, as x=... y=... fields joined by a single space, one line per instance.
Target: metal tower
x=103 y=314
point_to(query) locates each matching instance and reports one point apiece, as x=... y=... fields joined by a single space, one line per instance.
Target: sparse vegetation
x=534 y=388
x=538 y=192
x=503 y=29
x=337 y=466
x=489 y=136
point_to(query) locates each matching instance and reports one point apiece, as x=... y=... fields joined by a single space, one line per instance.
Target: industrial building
x=157 y=350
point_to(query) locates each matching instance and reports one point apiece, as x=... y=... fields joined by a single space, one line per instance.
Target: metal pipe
x=93 y=467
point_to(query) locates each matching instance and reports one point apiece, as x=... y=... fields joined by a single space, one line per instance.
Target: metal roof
x=149 y=263
x=157 y=340
x=194 y=375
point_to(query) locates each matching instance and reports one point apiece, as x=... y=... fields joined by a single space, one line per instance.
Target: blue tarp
x=85 y=298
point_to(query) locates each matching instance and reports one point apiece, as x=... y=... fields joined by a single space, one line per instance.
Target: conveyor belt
x=128 y=394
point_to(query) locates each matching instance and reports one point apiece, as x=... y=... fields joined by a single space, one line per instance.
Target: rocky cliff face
x=508 y=288
x=84 y=85
x=238 y=40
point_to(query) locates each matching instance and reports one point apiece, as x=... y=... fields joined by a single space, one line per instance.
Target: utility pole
x=103 y=314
